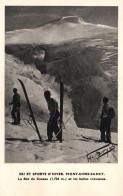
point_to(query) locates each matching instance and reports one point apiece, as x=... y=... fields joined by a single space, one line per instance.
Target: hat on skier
x=105 y=99
x=47 y=94
x=14 y=90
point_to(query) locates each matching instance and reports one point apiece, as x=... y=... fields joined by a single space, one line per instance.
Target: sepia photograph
x=61 y=84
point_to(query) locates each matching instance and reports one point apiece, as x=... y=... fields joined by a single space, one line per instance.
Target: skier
x=16 y=107
x=106 y=117
x=52 y=125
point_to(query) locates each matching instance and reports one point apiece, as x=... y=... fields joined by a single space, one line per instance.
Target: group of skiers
x=52 y=125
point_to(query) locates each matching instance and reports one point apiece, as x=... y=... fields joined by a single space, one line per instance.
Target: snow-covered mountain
x=60 y=30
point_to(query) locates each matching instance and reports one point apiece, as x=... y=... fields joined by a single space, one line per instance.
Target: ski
x=95 y=140
x=30 y=108
x=89 y=139
x=61 y=107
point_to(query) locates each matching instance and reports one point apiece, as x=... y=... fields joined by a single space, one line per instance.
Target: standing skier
x=16 y=107
x=52 y=125
x=106 y=117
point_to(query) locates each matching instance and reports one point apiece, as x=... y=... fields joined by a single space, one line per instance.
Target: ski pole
x=61 y=126
x=68 y=119
x=23 y=119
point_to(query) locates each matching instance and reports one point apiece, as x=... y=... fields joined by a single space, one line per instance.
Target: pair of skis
x=31 y=111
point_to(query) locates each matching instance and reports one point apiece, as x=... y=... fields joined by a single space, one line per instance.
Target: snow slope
x=23 y=145
x=21 y=142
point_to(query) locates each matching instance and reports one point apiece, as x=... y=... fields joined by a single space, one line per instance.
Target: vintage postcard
x=61 y=98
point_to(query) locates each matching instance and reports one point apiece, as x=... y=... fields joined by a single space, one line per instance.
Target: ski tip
x=19 y=80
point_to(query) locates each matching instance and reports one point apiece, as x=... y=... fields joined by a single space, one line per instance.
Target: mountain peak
x=72 y=19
